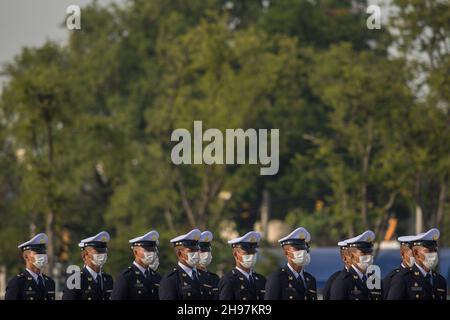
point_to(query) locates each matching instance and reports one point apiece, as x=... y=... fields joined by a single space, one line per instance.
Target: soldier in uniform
x=242 y=283
x=420 y=282
x=352 y=284
x=407 y=262
x=184 y=282
x=95 y=284
x=210 y=280
x=139 y=281
x=342 y=250
x=292 y=282
x=32 y=284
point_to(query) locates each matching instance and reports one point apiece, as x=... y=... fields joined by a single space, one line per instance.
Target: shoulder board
x=346 y=275
x=394 y=272
x=309 y=275
x=258 y=276
x=283 y=272
x=127 y=270
x=21 y=275
x=406 y=271
x=234 y=274
x=173 y=272
x=47 y=278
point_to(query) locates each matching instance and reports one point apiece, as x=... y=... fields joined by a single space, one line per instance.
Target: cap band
x=96 y=244
x=361 y=245
x=186 y=243
x=245 y=245
x=425 y=243
x=35 y=247
x=144 y=244
x=204 y=245
x=295 y=242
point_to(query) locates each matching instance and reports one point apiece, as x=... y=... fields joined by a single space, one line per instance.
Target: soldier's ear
x=402 y=253
x=351 y=254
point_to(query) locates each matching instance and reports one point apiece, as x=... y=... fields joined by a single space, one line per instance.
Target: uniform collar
x=187 y=269
x=34 y=275
x=424 y=273
x=295 y=273
x=246 y=274
x=359 y=273
x=92 y=272
x=141 y=268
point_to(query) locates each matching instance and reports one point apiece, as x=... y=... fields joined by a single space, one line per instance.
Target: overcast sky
x=31 y=22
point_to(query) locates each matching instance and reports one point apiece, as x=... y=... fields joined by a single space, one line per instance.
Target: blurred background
x=86 y=117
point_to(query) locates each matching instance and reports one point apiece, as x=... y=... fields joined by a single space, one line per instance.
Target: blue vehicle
x=326 y=260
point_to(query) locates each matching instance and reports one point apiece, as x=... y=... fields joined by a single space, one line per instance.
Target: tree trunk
x=419 y=219
x=49 y=230
x=418 y=210
x=49 y=224
x=265 y=211
x=169 y=220
x=185 y=201
x=210 y=191
x=350 y=224
x=383 y=219
x=441 y=206
x=365 y=173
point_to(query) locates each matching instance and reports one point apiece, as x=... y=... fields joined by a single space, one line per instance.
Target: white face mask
x=148 y=258
x=155 y=264
x=99 y=259
x=431 y=260
x=248 y=261
x=193 y=259
x=205 y=259
x=40 y=261
x=301 y=257
x=365 y=262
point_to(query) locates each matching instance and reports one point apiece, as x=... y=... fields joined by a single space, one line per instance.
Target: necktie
x=41 y=284
x=429 y=279
x=301 y=282
x=194 y=275
x=251 y=280
x=364 y=279
x=147 y=274
x=99 y=280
